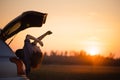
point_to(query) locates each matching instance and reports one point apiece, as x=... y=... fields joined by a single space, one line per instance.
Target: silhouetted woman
x=31 y=54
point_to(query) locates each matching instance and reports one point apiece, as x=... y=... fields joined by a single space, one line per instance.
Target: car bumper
x=15 y=78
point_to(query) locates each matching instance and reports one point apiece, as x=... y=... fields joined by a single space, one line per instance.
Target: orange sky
x=91 y=25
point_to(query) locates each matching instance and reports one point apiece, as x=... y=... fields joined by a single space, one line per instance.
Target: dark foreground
x=73 y=72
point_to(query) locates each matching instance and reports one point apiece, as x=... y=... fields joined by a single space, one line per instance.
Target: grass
x=74 y=72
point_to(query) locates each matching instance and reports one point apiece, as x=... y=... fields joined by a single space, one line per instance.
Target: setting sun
x=93 y=45
x=93 y=50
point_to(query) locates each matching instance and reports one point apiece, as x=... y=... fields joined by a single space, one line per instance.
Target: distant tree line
x=79 y=58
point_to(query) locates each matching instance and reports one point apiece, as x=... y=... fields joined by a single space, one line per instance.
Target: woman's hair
x=19 y=53
x=36 y=59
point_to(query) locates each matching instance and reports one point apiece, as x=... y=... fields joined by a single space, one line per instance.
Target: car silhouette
x=11 y=67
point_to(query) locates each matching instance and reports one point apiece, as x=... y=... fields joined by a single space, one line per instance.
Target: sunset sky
x=90 y=25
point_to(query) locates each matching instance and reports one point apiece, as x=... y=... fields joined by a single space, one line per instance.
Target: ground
x=75 y=72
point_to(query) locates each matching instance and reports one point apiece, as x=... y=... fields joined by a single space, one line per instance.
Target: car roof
x=5 y=51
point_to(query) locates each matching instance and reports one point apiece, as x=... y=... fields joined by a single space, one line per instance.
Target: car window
x=13 y=28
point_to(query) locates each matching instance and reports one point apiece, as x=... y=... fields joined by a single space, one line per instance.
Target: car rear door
x=25 y=20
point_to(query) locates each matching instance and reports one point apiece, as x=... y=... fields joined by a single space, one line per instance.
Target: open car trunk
x=25 y=20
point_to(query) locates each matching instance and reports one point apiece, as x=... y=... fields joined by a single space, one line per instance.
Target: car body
x=11 y=67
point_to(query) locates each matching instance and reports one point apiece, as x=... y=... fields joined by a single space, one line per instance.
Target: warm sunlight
x=93 y=45
x=90 y=25
x=93 y=50
x=84 y=44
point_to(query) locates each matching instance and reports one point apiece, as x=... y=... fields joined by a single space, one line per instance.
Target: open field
x=74 y=72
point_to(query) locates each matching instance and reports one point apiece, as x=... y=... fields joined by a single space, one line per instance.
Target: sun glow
x=93 y=45
x=93 y=50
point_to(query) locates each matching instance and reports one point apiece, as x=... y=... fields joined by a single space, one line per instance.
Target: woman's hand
x=35 y=39
x=40 y=42
x=48 y=32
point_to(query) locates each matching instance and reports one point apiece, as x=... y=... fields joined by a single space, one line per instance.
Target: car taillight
x=20 y=65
